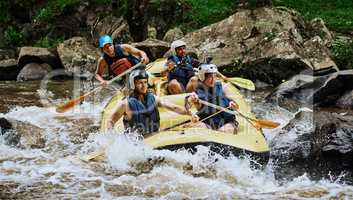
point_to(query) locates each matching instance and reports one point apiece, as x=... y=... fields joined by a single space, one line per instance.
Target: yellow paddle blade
x=242 y=82
x=157 y=66
x=263 y=123
x=70 y=104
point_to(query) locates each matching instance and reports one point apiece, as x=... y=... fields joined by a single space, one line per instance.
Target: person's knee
x=174 y=87
x=228 y=128
x=192 y=84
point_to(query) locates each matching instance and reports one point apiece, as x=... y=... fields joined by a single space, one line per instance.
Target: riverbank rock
x=78 y=57
x=38 y=55
x=317 y=143
x=310 y=91
x=33 y=71
x=22 y=134
x=268 y=44
x=9 y=69
x=173 y=34
x=153 y=48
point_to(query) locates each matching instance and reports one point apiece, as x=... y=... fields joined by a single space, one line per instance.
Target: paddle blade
x=70 y=104
x=242 y=82
x=262 y=123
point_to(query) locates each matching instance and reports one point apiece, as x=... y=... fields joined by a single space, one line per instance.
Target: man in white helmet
x=213 y=91
x=180 y=67
x=140 y=108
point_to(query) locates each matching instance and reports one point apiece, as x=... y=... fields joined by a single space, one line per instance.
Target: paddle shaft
x=233 y=112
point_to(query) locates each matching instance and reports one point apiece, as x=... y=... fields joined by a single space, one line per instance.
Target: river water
x=131 y=170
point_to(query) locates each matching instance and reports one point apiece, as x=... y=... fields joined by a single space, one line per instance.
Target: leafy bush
x=13 y=37
x=209 y=11
x=337 y=14
x=342 y=52
x=54 y=8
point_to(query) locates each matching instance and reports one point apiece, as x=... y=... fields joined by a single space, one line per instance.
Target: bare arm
x=118 y=111
x=228 y=94
x=135 y=52
x=172 y=107
x=101 y=65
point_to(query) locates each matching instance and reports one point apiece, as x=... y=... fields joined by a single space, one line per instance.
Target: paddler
x=213 y=91
x=140 y=107
x=180 y=69
x=116 y=58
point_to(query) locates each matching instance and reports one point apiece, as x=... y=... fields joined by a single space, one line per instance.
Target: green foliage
x=4 y=14
x=53 y=8
x=47 y=42
x=101 y=2
x=13 y=37
x=209 y=11
x=337 y=14
x=342 y=52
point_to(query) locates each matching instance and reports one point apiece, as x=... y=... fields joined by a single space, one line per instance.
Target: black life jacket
x=119 y=54
x=216 y=96
x=183 y=71
x=145 y=115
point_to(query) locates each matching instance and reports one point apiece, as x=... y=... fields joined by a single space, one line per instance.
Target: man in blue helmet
x=140 y=108
x=117 y=58
x=180 y=68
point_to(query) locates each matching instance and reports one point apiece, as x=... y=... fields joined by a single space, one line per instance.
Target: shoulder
x=101 y=60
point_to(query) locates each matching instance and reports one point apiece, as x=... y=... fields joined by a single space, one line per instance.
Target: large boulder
x=173 y=34
x=9 y=69
x=6 y=54
x=268 y=44
x=315 y=143
x=22 y=134
x=306 y=90
x=38 y=55
x=318 y=27
x=154 y=48
x=78 y=56
x=33 y=71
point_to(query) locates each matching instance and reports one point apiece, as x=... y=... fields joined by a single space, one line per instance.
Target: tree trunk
x=136 y=17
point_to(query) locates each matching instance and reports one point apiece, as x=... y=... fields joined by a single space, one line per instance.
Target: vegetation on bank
x=337 y=14
x=188 y=15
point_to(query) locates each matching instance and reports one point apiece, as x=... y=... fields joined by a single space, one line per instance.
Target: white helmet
x=176 y=44
x=206 y=68
x=136 y=75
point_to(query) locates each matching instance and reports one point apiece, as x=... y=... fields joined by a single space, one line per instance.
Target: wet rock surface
x=22 y=134
x=306 y=90
x=315 y=143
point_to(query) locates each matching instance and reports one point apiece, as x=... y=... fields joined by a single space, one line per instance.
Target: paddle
x=70 y=104
x=257 y=123
x=240 y=82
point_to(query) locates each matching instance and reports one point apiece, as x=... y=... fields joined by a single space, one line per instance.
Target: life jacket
x=216 y=96
x=183 y=71
x=145 y=115
x=119 y=55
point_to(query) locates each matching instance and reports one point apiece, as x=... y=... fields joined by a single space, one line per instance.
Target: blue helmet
x=105 y=39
